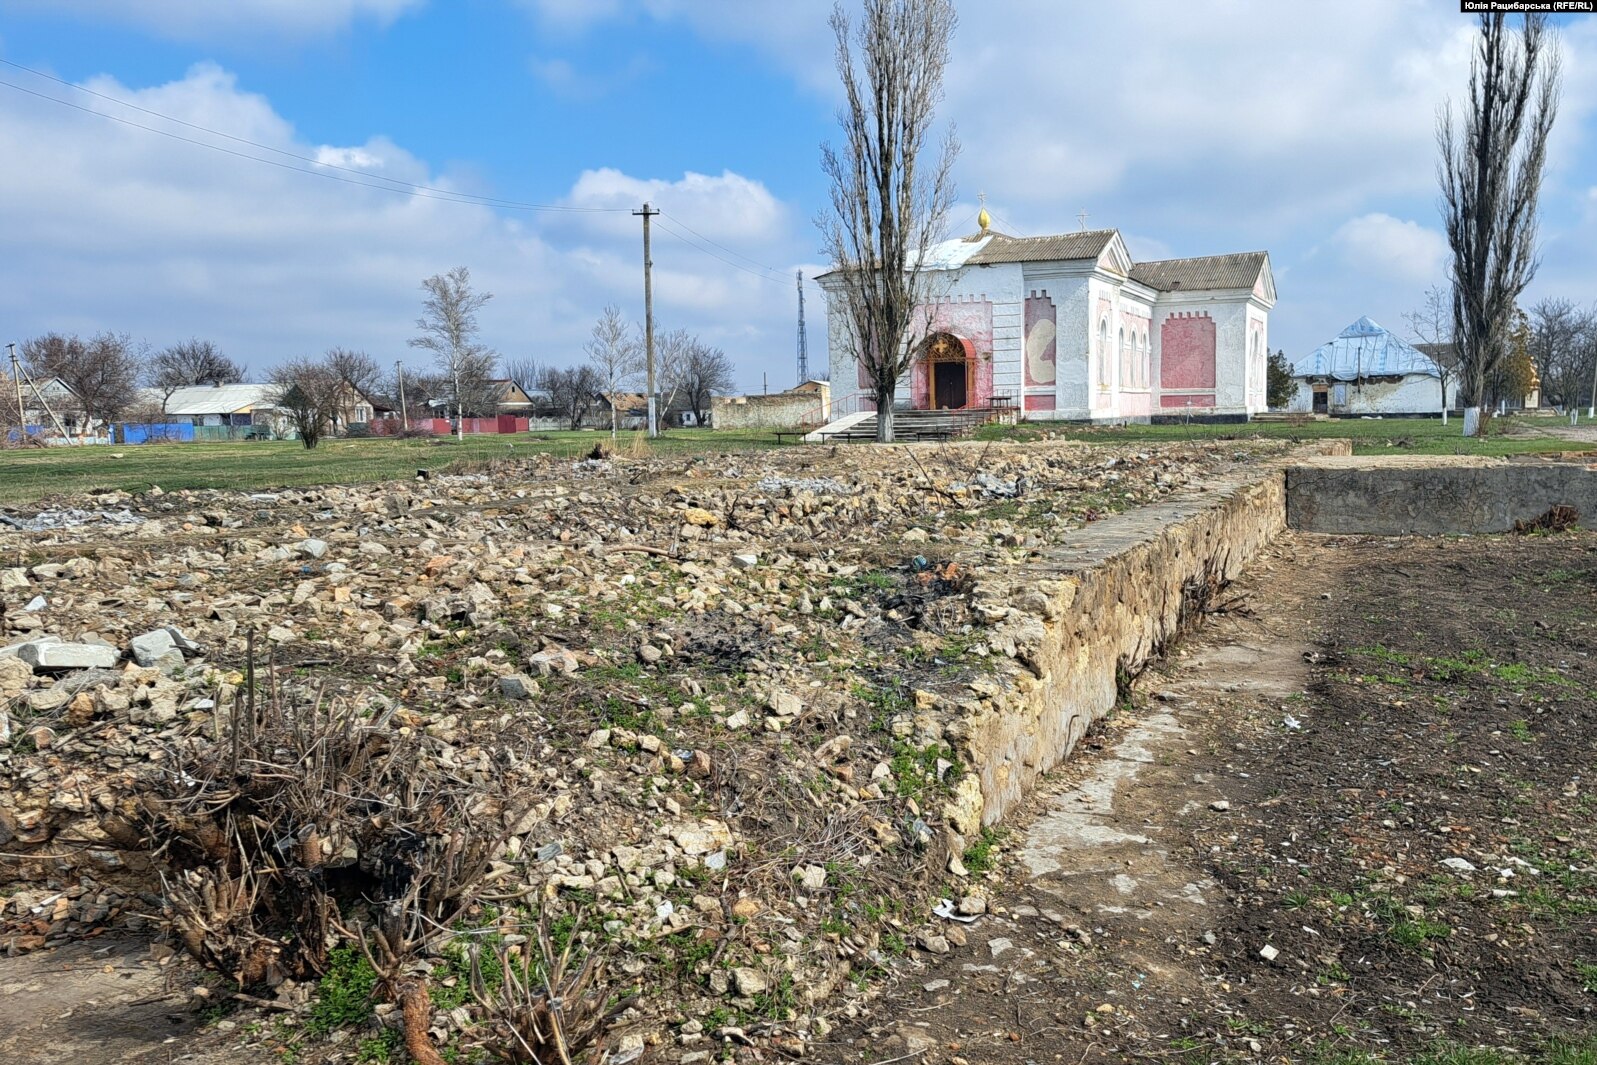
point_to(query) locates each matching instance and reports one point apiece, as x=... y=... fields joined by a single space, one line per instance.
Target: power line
x=719 y=258
x=369 y=180
x=723 y=247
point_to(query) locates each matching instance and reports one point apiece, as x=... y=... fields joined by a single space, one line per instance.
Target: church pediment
x=1115 y=258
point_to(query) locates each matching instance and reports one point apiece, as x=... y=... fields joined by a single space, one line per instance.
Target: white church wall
x=1134 y=398
x=1067 y=290
x=1103 y=299
x=1003 y=284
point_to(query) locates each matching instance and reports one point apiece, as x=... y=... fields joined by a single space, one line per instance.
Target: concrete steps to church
x=908 y=426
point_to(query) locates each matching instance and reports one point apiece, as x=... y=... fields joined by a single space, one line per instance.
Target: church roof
x=1364 y=349
x=1239 y=270
x=1061 y=247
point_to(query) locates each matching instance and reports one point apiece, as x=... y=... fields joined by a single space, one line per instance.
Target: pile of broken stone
x=702 y=644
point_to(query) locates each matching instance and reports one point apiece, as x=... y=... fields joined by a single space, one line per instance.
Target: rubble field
x=710 y=708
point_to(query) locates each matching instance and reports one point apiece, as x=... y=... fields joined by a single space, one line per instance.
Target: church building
x=1069 y=327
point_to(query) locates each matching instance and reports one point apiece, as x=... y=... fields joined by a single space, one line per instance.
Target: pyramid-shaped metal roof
x=1364 y=349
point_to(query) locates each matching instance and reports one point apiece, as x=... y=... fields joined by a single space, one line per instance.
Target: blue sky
x=1194 y=128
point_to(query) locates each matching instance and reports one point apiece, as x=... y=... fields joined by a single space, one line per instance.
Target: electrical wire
x=753 y=262
x=771 y=276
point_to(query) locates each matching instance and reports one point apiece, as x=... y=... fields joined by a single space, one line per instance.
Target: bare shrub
x=303 y=814
x=544 y=1009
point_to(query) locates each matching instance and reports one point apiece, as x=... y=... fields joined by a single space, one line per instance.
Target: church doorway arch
x=950 y=371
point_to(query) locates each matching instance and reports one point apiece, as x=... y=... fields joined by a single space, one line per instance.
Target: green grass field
x=1374 y=436
x=31 y=475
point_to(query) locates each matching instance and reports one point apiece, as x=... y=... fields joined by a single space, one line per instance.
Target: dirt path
x=1251 y=865
x=97 y=1002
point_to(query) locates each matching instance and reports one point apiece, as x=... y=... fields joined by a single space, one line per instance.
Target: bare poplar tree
x=887 y=204
x=449 y=330
x=1491 y=166
x=191 y=362
x=616 y=357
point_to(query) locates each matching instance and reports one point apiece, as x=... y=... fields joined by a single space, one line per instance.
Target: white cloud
x=116 y=228
x=224 y=19
x=566 y=79
x=1391 y=247
x=573 y=15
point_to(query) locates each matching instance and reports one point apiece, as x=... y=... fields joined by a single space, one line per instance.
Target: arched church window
x=1103 y=354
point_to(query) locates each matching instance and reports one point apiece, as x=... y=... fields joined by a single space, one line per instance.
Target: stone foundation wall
x=1089 y=616
x=1432 y=496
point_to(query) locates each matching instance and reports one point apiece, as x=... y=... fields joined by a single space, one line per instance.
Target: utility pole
x=19 y=375
x=803 y=337
x=648 y=321
x=404 y=415
x=16 y=376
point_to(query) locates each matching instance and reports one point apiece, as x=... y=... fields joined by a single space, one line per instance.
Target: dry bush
x=302 y=817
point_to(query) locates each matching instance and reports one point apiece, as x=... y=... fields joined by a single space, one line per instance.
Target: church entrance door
x=948 y=385
x=948 y=372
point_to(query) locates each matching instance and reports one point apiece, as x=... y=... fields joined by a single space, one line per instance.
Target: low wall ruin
x=1091 y=615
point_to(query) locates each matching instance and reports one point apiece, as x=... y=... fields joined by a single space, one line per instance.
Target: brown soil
x=1444 y=700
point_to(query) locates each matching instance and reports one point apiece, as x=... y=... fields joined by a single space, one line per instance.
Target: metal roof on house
x=199 y=400
x=1364 y=349
x=1238 y=270
x=1060 y=247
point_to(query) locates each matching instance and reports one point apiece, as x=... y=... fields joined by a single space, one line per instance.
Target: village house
x=1070 y=327
x=1366 y=370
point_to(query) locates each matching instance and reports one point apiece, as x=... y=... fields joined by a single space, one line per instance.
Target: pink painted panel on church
x=1135 y=403
x=1186 y=401
x=1040 y=402
x=1040 y=356
x=972 y=322
x=1186 y=344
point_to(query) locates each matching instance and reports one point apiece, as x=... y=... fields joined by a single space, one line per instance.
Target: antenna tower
x=803 y=337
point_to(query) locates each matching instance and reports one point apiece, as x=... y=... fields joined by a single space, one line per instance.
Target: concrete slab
x=1432 y=495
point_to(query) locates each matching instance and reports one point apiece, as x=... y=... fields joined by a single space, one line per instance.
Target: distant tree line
x=103 y=374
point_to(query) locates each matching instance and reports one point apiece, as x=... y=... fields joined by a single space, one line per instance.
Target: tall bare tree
x=449 y=330
x=311 y=392
x=888 y=203
x=102 y=372
x=706 y=373
x=191 y=362
x=1492 y=158
x=1431 y=324
x=615 y=355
